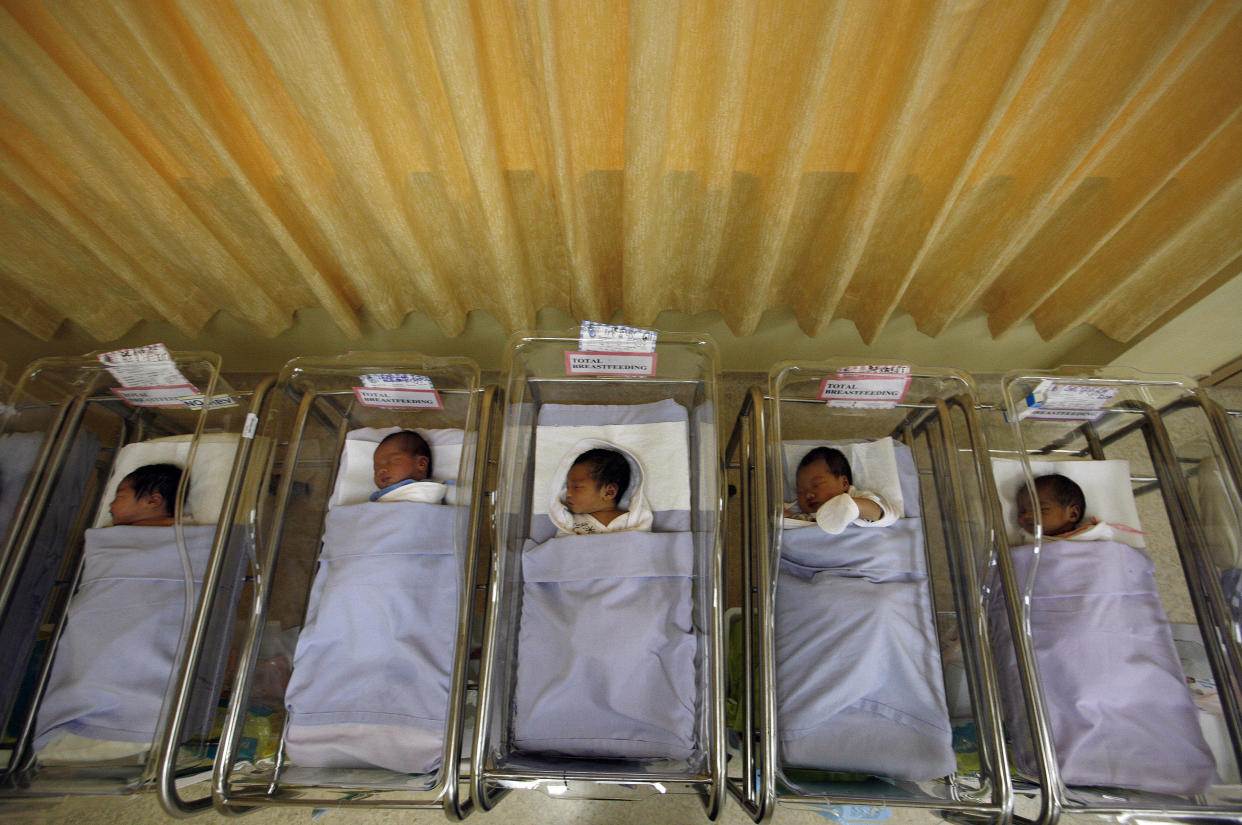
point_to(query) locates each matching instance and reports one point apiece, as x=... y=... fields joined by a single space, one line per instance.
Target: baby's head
x=1061 y=505
x=823 y=474
x=146 y=497
x=401 y=456
x=596 y=481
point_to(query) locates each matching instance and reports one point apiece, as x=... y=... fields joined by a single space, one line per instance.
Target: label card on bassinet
x=595 y=337
x=398 y=391
x=170 y=396
x=867 y=386
x=1052 y=401
x=610 y=363
x=148 y=375
x=608 y=349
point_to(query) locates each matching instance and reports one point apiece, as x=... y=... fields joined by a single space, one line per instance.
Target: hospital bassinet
x=909 y=595
x=72 y=401
x=320 y=407
x=1143 y=450
x=668 y=420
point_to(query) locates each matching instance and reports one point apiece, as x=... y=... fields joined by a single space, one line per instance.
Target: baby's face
x=127 y=508
x=817 y=484
x=584 y=494
x=1055 y=517
x=393 y=464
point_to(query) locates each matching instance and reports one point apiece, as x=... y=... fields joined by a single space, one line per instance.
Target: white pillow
x=1105 y=485
x=873 y=466
x=209 y=477
x=356 y=480
x=661 y=446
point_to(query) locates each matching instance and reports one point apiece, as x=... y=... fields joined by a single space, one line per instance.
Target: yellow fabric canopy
x=1067 y=162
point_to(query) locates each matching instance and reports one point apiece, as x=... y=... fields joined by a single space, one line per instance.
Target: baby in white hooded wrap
x=826 y=495
x=595 y=490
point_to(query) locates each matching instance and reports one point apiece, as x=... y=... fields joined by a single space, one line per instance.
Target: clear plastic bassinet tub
x=352 y=688
x=863 y=675
x=601 y=672
x=1124 y=641
x=93 y=626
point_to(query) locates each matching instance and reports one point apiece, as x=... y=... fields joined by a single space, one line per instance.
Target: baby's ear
x=609 y=491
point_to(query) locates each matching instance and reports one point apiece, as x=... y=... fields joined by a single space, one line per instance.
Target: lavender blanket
x=858 y=677
x=1117 y=701
x=373 y=665
x=120 y=642
x=606 y=647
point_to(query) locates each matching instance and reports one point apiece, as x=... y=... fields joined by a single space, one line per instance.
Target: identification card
x=149 y=366
x=594 y=337
x=399 y=398
x=1055 y=401
x=174 y=396
x=610 y=363
x=868 y=387
x=396 y=380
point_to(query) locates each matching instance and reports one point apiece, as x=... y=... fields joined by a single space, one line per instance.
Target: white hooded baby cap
x=634 y=499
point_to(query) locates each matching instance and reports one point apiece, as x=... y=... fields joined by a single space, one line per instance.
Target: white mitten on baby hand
x=835 y=514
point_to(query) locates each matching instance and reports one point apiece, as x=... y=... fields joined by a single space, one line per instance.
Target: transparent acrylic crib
x=281 y=520
x=936 y=418
x=686 y=372
x=70 y=403
x=1169 y=432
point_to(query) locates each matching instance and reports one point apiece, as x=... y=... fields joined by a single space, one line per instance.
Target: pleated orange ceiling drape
x=1066 y=162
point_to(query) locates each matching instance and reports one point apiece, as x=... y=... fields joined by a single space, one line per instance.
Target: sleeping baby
x=402 y=464
x=1116 y=698
x=145 y=497
x=595 y=489
x=121 y=637
x=826 y=495
x=384 y=603
x=1061 y=505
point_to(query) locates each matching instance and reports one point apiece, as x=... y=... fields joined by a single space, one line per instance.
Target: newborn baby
x=146 y=497
x=1061 y=505
x=593 y=489
x=402 y=464
x=826 y=495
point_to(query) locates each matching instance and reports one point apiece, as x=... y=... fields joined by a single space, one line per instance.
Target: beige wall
x=1200 y=340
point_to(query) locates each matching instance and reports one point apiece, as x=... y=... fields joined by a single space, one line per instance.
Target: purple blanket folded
x=1118 y=706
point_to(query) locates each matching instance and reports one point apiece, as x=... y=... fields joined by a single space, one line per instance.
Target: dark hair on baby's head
x=1064 y=491
x=412 y=443
x=837 y=463
x=156 y=478
x=606 y=467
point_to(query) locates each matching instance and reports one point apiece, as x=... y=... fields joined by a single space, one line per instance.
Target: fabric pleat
x=1046 y=162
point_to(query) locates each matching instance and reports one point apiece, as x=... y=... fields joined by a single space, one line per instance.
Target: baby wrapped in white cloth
x=1118 y=707
x=858 y=671
x=373 y=665
x=606 y=646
